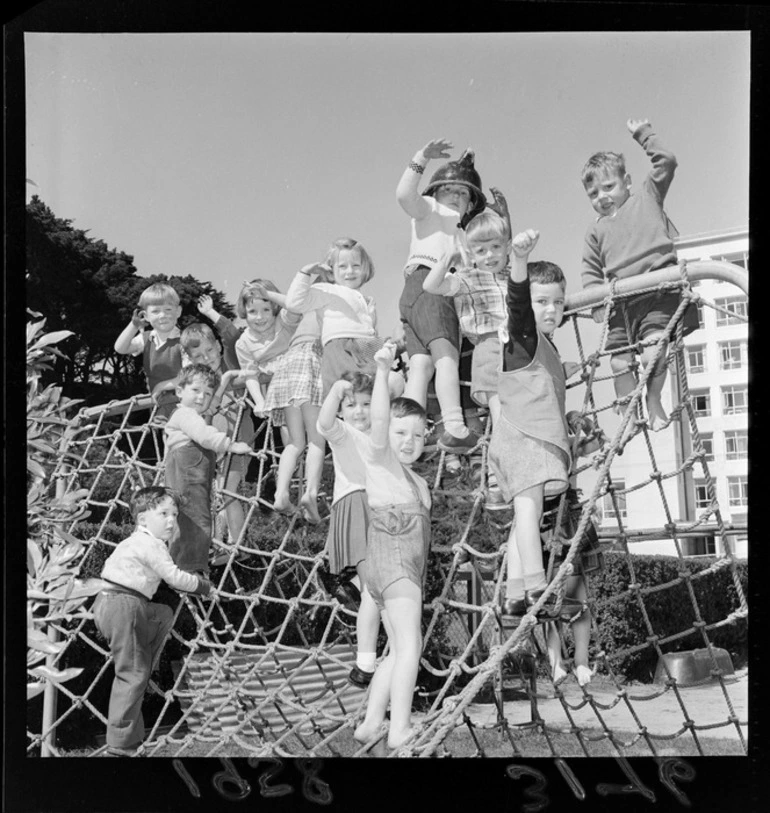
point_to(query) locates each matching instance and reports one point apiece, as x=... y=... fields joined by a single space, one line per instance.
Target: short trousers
x=485 y=366
x=425 y=316
x=646 y=314
x=520 y=461
x=348 y=355
x=225 y=419
x=348 y=530
x=190 y=472
x=398 y=546
x=297 y=381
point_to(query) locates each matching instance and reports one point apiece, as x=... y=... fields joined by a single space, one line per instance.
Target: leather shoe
x=360 y=677
x=514 y=606
x=569 y=606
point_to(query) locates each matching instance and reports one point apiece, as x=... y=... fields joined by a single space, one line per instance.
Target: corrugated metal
x=301 y=684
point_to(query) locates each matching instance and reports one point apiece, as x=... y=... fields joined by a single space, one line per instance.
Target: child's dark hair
x=193 y=371
x=545 y=273
x=404 y=407
x=360 y=382
x=145 y=499
x=195 y=333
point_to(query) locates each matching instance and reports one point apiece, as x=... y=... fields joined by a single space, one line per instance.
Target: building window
x=702 y=496
x=608 y=507
x=737 y=307
x=734 y=399
x=707 y=440
x=699 y=546
x=701 y=317
x=732 y=355
x=696 y=358
x=738 y=491
x=737 y=444
x=701 y=403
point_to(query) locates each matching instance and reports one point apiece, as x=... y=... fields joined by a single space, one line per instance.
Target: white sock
x=366 y=661
x=454 y=423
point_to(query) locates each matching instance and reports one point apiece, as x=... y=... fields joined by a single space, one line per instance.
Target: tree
x=86 y=287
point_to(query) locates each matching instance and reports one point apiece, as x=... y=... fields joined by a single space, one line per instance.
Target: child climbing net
x=261 y=668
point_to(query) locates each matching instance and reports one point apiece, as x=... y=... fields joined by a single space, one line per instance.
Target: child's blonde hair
x=486 y=226
x=603 y=162
x=159 y=293
x=349 y=244
x=250 y=291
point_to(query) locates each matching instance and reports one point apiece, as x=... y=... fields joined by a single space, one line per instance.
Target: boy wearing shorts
x=632 y=235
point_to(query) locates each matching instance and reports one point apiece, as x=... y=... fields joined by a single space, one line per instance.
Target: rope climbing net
x=260 y=668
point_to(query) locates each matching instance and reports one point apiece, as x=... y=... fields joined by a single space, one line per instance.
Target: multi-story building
x=716 y=363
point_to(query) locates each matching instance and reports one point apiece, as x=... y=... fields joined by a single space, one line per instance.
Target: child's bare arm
x=123 y=342
x=163 y=386
x=380 y=405
x=437 y=281
x=206 y=307
x=522 y=245
x=255 y=391
x=327 y=415
x=409 y=198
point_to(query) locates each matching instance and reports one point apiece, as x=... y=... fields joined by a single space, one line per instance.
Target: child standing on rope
x=632 y=235
x=345 y=414
x=293 y=401
x=397 y=551
x=191 y=449
x=217 y=351
x=529 y=452
x=136 y=627
x=160 y=349
x=348 y=317
x=269 y=329
x=452 y=197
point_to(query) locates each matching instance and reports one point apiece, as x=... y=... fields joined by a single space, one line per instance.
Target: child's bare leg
x=528 y=509
x=314 y=462
x=581 y=632
x=514 y=583
x=421 y=371
x=403 y=604
x=624 y=383
x=558 y=672
x=379 y=693
x=655 y=382
x=233 y=508
x=447 y=384
x=367 y=627
x=293 y=448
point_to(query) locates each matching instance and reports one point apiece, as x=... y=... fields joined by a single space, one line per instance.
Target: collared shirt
x=479 y=299
x=141 y=561
x=137 y=343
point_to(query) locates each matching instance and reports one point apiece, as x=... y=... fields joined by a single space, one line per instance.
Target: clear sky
x=232 y=156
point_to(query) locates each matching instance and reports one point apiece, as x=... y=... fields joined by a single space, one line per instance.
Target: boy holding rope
x=632 y=235
x=136 y=627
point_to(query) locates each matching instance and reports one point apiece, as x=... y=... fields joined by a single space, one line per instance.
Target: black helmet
x=464 y=173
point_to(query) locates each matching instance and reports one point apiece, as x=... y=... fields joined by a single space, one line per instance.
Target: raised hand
x=137 y=318
x=524 y=242
x=205 y=304
x=634 y=124
x=386 y=355
x=437 y=148
x=341 y=389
